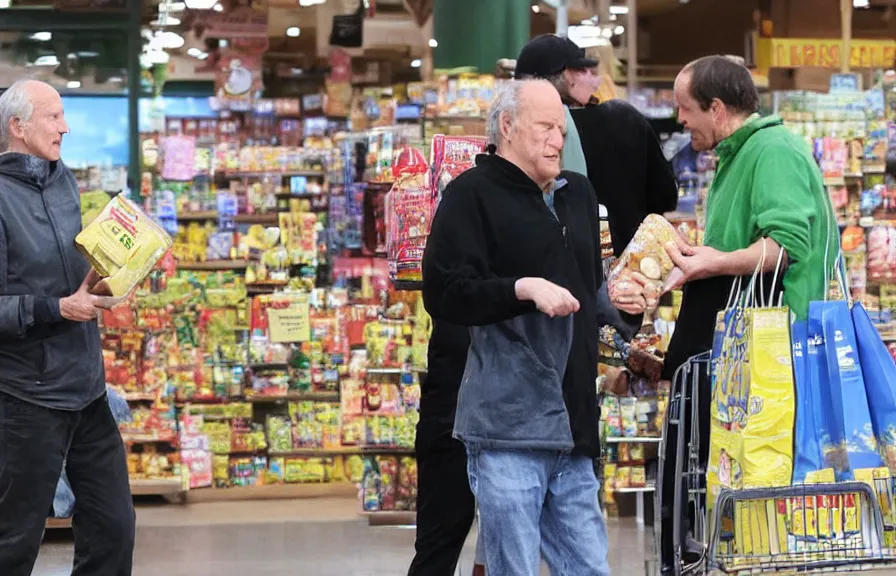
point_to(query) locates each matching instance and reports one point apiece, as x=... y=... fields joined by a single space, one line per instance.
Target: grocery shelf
x=295 y=397
x=636 y=489
x=214 y=265
x=633 y=440
x=391 y=518
x=156 y=487
x=147 y=438
x=59 y=524
x=283 y=173
x=273 y=492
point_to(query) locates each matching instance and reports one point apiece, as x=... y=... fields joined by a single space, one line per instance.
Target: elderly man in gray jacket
x=53 y=406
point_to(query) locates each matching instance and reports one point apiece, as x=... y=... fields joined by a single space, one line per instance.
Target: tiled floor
x=288 y=538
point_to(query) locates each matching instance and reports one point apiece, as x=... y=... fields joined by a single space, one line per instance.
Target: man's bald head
x=32 y=120
x=527 y=123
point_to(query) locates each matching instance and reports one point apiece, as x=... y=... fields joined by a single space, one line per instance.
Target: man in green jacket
x=767 y=196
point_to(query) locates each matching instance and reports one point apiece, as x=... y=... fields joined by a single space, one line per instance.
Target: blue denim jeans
x=534 y=504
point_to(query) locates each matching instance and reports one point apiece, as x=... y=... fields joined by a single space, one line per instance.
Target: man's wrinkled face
x=42 y=134
x=700 y=123
x=536 y=135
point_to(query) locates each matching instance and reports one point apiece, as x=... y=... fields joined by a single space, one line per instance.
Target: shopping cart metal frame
x=690 y=496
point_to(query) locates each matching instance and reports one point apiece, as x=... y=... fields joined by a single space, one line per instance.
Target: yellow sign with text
x=291 y=323
x=823 y=53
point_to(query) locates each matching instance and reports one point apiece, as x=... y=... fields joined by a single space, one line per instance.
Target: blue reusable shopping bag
x=847 y=386
x=808 y=456
x=879 y=371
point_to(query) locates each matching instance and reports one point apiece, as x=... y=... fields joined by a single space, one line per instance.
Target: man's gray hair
x=506 y=101
x=15 y=102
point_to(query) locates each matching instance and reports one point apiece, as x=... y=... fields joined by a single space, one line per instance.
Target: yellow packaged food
x=122 y=244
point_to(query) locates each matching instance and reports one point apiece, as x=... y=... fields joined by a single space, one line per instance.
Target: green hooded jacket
x=768 y=185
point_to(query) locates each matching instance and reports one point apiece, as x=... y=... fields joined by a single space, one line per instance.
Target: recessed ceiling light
x=73 y=84
x=433 y=43
x=416 y=63
x=293 y=31
x=42 y=36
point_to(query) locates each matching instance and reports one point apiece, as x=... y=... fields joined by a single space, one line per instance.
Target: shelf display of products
x=849 y=133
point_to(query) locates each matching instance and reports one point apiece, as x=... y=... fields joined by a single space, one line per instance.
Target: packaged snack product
x=123 y=245
x=646 y=253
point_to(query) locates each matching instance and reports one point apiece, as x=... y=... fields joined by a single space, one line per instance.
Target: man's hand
x=691 y=263
x=630 y=293
x=548 y=297
x=82 y=306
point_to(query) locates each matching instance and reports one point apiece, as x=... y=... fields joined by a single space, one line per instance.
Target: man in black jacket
x=445 y=505
x=53 y=406
x=514 y=254
x=623 y=158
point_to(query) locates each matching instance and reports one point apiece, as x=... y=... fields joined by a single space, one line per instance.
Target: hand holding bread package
x=123 y=245
x=645 y=259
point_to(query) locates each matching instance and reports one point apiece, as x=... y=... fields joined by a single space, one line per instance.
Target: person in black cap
x=613 y=143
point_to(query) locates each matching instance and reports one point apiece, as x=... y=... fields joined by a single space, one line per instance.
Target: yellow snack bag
x=122 y=244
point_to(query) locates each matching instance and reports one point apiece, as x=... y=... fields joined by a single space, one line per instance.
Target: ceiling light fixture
x=165 y=20
x=223 y=43
x=860 y=4
x=416 y=63
x=42 y=36
x=73 y=84
x=218 y=8
x=433 y=43
x=166 y=41
x=50 y=60
x=293 y=31
x=607 y=32
x=618 y=9
x=536 y=8
x=202 y=55
x=619 y=30
x=201 y=4
x=194 y=52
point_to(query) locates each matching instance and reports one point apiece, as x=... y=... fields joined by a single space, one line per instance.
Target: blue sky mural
x=98 y=131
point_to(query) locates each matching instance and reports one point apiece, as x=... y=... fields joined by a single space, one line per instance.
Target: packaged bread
x=123 y=245
x=646 y=253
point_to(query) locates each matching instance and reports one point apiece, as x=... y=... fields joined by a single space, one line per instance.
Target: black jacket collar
x=507 y=172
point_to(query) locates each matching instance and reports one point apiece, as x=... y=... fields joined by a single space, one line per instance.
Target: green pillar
x=479 y=32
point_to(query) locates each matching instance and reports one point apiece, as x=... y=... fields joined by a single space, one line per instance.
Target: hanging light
x=200 y=4
x=166 y=41
x=619 y=30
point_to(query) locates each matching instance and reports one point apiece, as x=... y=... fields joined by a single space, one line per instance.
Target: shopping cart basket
x=838 y=527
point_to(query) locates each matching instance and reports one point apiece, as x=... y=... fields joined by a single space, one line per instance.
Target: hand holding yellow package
x=122 y=244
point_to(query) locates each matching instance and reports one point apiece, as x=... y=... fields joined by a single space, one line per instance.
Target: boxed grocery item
x=123 y=245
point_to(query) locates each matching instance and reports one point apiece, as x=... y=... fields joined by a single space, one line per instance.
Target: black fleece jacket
x=626 y=166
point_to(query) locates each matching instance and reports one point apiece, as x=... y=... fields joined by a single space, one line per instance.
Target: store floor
x=284 y=538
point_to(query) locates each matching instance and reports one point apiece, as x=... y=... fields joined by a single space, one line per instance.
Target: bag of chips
x=123 y=245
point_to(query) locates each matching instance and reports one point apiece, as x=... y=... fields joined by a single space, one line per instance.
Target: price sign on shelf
x=291 y=323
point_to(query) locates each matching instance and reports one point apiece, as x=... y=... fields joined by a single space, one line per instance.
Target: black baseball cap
x=548 y=55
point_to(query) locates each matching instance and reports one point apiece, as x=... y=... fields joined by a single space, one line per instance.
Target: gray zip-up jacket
x=44 y=359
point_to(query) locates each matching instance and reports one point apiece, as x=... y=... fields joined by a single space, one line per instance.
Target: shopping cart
x=838 y=527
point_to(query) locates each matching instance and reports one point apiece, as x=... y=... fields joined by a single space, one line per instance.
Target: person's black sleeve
x=661 y=186
x=20 y=312
x=626 y=324
x=459 y=285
